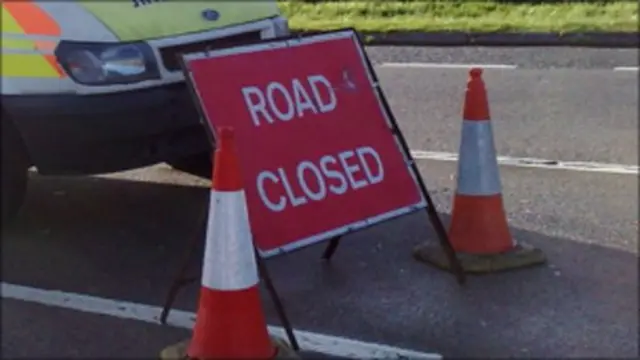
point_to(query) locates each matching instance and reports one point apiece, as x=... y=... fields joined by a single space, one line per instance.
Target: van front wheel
x=15 y=168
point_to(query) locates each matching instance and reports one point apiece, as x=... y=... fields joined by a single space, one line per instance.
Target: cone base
x=179 y=351
x=479 y=225
x=520 y=256
x=230 y=324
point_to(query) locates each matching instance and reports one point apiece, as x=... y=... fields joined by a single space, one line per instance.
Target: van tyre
x=15 y=166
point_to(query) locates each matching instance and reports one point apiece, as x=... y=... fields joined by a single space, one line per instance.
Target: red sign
x=316 y=148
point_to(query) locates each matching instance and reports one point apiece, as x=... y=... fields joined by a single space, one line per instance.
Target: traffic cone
x=230 y=322
x=479 y=232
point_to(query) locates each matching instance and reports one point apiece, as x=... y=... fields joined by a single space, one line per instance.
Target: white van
x=94 y=87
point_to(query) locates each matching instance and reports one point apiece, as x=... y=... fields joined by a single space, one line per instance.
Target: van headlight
x=107 y=63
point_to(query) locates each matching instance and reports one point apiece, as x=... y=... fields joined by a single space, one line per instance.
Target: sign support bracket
x=331 y=248
x=434 y=219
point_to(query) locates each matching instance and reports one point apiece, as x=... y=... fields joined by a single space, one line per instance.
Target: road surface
x=119 y=237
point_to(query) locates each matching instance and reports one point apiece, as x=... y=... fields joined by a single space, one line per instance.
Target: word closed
x=286 y=102
x=314 y=181
x=317 y=158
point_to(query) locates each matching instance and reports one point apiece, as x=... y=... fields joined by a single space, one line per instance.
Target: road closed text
x=317 y=179
x=314 y=94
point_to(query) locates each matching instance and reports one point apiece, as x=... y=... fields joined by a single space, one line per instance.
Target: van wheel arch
x=15 y=165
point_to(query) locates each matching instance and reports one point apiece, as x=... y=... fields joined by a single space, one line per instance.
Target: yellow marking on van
x=10 y=43
x=26 y=65
x=17 y=44
x=9 y=25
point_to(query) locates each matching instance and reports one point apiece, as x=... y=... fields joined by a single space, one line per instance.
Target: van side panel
x=135 y=20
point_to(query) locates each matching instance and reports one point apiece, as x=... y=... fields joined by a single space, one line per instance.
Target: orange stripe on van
x=51 y=59
x=44 y=45
x=32 y=19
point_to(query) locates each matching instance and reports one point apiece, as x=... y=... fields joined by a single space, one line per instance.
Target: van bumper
x=82 y=135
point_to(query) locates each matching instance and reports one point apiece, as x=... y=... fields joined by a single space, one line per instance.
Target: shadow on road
x=124 y=239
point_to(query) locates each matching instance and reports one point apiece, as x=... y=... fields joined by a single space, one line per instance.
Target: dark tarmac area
x=122 y=236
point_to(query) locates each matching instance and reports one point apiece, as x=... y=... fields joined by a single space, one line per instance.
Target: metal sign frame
x=334 y=235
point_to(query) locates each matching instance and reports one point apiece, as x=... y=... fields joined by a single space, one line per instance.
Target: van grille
x=170 y=55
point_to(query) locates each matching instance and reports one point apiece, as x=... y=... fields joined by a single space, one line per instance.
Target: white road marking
x=325 y=344
x=444 y=65
x=537 y=163
x=424 y=65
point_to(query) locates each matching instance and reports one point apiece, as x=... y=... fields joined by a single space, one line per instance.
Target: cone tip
x=226 y=132
x=226 y=137
x=476 y=107
x=475 y=73
x=226 y=173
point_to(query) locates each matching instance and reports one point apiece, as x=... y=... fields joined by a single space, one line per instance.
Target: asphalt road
x=559 y=114
x=121 y=236
x=523 y=57
x=36 y=331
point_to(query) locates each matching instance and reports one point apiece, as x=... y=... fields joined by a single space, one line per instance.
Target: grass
x=484 y=16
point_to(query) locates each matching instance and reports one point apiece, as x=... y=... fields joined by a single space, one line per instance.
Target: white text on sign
x=261 y=102
x=332 y=174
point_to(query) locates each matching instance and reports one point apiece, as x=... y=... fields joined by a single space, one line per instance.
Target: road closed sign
x=318 y=151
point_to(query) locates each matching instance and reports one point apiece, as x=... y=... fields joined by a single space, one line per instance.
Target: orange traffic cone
x=479 y=232
x=230 y=322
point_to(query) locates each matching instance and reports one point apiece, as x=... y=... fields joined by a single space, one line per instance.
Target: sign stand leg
x=431 y=209
x=444 y=240
x=331 y=248
x=284 y=319
x=178 y=283
x=180 y=278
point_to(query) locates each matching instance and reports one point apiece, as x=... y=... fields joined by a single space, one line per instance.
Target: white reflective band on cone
x=229 y=261
x=478 y=172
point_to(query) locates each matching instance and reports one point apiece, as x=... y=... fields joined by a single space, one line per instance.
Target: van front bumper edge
x=77 y=135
